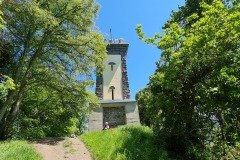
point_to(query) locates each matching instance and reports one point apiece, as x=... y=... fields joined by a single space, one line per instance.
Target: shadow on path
x=50 y=140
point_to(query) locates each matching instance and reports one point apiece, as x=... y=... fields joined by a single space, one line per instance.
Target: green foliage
x=1 y=19
x=195 y=89
x=6 y=83
x=126 y=142
x=21 y=150
x=145 y=108
x=53 y=49
x=43 y=113
x=181 y=16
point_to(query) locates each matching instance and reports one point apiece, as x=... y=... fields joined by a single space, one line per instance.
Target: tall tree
x=54 y=45
x=146 y=110
x=196 y=85
x=6 y=82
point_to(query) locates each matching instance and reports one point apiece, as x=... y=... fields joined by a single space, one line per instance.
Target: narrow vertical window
x=112 y=88
x=111 y=64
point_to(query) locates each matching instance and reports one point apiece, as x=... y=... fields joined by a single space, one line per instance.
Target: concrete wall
x=116 y=49
x=112 y=78
x=132 y=114
x=131 y=110
x=95 y=120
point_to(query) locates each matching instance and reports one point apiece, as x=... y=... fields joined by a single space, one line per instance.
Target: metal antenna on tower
x=111 y=34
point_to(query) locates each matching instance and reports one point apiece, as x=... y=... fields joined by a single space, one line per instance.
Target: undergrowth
x=20 y=150
x=130 y=142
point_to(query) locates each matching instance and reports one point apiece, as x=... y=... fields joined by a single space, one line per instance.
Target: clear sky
x=122 y=16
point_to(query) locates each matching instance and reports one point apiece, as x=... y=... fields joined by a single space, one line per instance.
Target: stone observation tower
x=112 y=89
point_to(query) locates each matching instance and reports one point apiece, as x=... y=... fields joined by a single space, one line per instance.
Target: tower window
x=112 y=88
x=111 y=64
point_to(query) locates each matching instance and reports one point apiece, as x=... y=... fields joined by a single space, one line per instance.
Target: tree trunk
x=6 y=104
x=3 y=130
x=18 y=102
x=223 y=138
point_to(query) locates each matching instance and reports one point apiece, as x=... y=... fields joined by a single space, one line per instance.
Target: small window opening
x=112 y=88
x=112 y=64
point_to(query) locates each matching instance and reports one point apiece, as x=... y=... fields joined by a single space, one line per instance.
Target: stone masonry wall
x=115 y=116
x=125 y=84
x=99 y=87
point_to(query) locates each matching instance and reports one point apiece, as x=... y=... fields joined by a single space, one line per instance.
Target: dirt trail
x=53 y=149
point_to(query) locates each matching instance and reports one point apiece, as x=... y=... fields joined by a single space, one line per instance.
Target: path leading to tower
x=62 y=149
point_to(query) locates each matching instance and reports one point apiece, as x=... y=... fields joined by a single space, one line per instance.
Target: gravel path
x=53 y=149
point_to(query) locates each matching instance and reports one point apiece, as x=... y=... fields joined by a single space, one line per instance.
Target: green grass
x=18 y=150
x=130 y=142
x=67 y=143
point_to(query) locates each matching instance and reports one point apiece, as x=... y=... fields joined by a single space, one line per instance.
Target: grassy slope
x=20 y=150
x=126 y=142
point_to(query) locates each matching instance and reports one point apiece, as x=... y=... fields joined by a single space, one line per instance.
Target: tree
x=195 y=87
x=145 y=111
x=180 y=16
x=54 y=46
x=6 y=82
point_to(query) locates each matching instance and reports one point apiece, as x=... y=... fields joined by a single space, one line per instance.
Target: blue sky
x=122 y=16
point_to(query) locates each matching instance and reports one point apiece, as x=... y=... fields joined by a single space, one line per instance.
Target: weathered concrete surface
x=131 y=113
x=96 y=120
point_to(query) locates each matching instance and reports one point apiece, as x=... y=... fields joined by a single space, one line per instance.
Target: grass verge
x=130 y=142
x=20 y=150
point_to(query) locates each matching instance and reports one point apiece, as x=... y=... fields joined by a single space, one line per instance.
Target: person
x=73 y=135
x=106 y=126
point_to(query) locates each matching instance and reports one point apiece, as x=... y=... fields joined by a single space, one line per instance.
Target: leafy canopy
x=54 y=47
x=195 y=88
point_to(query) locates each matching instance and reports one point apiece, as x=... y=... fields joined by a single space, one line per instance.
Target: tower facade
x=112 y=89
x=113 y=83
